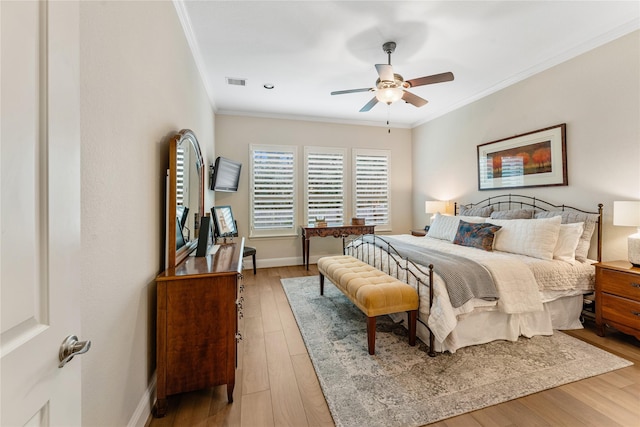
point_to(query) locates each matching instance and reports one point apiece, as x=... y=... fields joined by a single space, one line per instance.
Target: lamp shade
x=389 y=95
x=626 y=213
x=433 y=206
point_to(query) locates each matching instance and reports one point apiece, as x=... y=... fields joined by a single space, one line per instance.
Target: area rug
x=402 y=386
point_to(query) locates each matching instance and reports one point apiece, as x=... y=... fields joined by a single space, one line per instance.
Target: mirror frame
x=175 y=256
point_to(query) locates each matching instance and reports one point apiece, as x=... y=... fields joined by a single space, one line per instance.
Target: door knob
x=71 y=347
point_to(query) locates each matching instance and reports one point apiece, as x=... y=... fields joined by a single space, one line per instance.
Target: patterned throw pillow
x=483 y=212
x=476 y=235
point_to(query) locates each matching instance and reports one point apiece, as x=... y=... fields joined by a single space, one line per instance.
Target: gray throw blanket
x=464 y=278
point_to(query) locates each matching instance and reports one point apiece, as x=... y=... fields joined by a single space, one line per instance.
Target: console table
x=335 y=230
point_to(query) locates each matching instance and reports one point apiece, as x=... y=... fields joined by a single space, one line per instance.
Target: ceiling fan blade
x=385 y=71
x=341 y=92
x=413 y=99
x=369 y=105
x=427 y=80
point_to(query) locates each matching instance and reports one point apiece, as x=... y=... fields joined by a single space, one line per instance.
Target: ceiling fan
x=390 y=87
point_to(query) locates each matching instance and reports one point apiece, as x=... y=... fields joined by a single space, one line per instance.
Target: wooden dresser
x=618 y=297
x=197 y=324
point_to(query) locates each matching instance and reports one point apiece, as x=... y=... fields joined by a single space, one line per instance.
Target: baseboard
x=142 y=415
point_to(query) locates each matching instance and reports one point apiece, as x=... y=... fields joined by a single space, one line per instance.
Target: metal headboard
x=517 y=201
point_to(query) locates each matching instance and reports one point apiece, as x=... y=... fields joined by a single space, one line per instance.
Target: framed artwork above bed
x=533 y=159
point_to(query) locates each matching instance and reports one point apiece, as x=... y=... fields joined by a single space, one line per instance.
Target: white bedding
x=524 y=284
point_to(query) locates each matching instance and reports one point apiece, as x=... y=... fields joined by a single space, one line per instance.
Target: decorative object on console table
x=618 y=297
x=357 y=221
x=533 y=159
x=431 y=207
x=628 y=214
x=198 y=305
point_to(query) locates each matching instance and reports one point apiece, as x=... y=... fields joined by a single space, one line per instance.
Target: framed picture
x=225 y=224
x=534 y=159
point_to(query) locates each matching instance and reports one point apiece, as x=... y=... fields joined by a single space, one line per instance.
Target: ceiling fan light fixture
x=389 y=95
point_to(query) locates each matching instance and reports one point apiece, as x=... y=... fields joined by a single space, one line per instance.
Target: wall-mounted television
x=225 y=175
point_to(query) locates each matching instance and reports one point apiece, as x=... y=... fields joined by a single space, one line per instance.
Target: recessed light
x=268 y=86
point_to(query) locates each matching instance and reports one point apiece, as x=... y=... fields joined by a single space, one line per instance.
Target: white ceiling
x=308 y=49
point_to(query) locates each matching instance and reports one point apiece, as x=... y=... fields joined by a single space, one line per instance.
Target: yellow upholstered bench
x=372 y=291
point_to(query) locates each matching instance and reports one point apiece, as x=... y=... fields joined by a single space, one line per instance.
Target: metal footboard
x=379 y=253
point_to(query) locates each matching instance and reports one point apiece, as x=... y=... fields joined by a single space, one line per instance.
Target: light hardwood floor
x=276 y=384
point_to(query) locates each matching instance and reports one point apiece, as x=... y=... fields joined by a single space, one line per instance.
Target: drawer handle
x=635 y=285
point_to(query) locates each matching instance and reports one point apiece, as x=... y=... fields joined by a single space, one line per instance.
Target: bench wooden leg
x=413 y=318
x=371 y=334
x=321 y=284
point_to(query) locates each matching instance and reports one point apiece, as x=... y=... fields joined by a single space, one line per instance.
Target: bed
x=505 y=267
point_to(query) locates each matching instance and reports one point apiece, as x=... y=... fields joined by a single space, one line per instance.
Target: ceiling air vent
x=236 y=82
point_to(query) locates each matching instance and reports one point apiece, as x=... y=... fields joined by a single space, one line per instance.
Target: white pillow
x=532 y=237
x=568 y=239
x=445 y=227
x=590 y=221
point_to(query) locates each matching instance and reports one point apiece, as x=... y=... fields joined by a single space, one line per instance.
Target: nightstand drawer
x=619 y=283
x=621 y=310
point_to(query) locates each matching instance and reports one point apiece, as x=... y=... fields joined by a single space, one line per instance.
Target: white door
x=39 y=212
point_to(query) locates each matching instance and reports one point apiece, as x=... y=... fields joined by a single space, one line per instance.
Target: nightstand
x=618 y=297
x=418 y=232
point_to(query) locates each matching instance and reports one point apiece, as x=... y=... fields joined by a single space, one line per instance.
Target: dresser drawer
x=621 y=310
x=619 y=283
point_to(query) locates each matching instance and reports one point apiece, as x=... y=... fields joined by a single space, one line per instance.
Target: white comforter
x=524 y=283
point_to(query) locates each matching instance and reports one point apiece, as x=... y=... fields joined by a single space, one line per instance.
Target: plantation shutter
x=180 y=176
x=325 y=192
x=273 y=195
x=371 y=187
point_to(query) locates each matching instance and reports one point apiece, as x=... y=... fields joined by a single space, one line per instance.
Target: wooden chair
x=248 y=250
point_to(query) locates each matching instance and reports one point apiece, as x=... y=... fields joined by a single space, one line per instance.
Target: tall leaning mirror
x=185 y=198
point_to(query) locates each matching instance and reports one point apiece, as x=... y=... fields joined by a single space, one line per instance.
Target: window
x=180 y=173
x=371 y=187
x=324 y=183
x=274 y=192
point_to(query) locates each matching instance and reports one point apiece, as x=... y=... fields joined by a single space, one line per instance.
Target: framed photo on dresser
x=225 y=224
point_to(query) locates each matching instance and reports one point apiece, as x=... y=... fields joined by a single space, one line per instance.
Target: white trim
x=377 y=123
x=183 y=16
x=142 y=415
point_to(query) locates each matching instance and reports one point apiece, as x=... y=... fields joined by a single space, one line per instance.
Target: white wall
x=233 y=136
x=139 y=85
x=596 y=94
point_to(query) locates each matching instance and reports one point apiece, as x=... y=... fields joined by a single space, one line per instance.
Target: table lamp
x=627 y=214
x=433 y=206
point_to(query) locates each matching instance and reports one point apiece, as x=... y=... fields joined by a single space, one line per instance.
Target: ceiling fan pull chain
x=388 y=116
